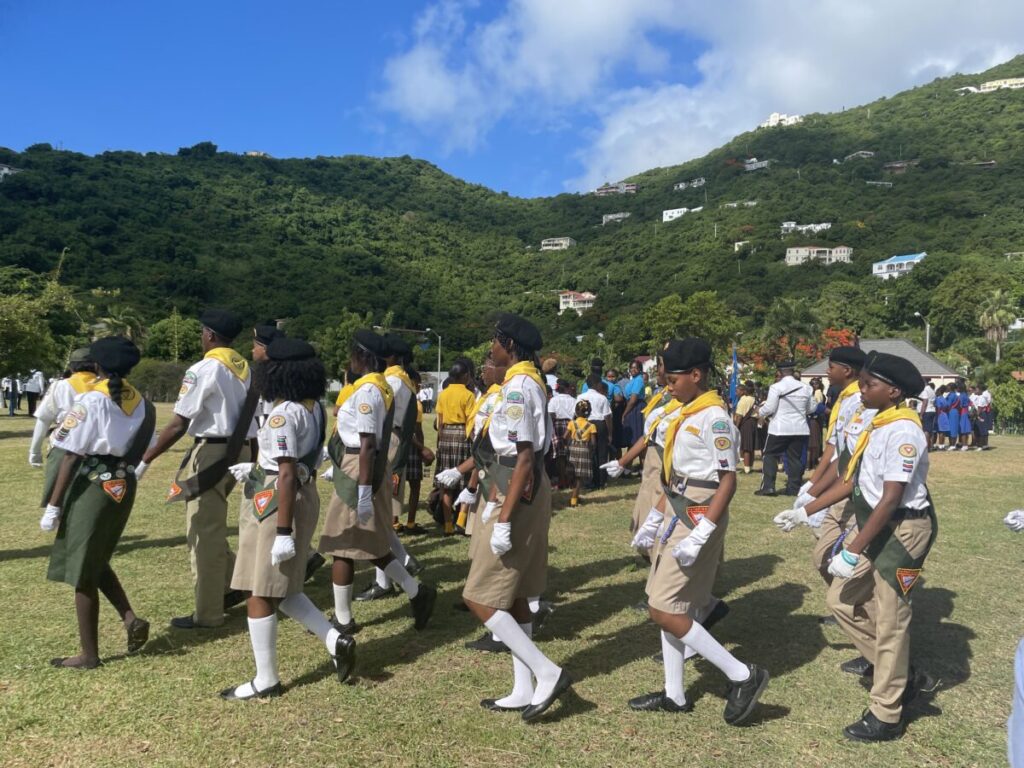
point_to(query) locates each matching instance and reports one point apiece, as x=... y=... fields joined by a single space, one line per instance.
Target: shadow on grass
x=127 y=544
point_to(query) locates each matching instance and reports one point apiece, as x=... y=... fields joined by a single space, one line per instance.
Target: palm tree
x=121 y=320
x=791 y=319
x=998 y=312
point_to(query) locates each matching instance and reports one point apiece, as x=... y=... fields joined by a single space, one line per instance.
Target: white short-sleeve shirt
x=403 y=396
x=853 y=430
x=662 y=428
x=848 y=409
x=211 y=398
x=562 y=406
x=362 y=413
x=521 y=416
x=707 y=443
x=290 y=432
x=896 y=452
x=96 y=426
x=56 y=402
x=485 y=410
x=599 y=407
x=928 y=394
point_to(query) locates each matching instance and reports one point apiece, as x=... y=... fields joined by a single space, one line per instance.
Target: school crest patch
x=276 y=421
x=908 y=450
x=723 y=443
x=262 y=499
x=720 y=427
x=186 y=383
x=115 y=489
x=514 y=412
x=907 y=578
x=365 y=408
x=174 y=492
x=515 y=397
x=696 y=514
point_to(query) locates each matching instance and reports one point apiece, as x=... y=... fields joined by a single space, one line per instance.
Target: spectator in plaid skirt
x=453 y=447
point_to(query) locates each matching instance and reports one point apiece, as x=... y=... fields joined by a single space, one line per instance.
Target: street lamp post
x=927 y=331
x=437 y=391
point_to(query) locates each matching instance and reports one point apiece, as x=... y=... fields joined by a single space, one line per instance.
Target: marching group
x=263 y=426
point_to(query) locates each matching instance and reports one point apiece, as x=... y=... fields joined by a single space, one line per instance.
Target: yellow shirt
x=455 y=404
x=582 y=430
x=744 y=405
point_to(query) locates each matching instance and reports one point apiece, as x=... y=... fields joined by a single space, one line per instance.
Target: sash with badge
x=686 y=496
x=345 y=486
x=502 y=468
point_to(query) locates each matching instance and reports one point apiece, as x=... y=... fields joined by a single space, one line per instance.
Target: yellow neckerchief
x=672 y=407
x=707 y=400
x=851 y=389
x=130 y=397
x=399 y=373
x=471 y=421
x=345 y=393
x=307 y=404
x=83 y=381
x=231 y=360
x=581 y=428
x=525 y=368
x=377 y=380
x=656 y=402
x=888 y=416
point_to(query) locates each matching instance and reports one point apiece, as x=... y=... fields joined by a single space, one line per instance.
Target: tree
x=955 y=302
x=120 y=320
x=791 y=321
x=998 y=312
x=335 y=342
x=175 y=338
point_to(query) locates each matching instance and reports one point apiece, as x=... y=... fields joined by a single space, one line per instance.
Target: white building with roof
x=557 y=243
x=691 y=184
x=753 y=164
x=578 y=301
x=673 y=213
x=7 y=170
x=789 y=227
x=778 y=119
x=1013 y=83
x=614 y=217
x=619 y=188
x=927 y=365
x=895 y=266
x=803 y=254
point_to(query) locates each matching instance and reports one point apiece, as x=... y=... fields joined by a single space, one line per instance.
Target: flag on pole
x=734 y=377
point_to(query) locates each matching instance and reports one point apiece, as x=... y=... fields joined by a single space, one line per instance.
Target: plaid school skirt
x=558 y=444
x=452 y=446
x=581 y=458
x=414 y=464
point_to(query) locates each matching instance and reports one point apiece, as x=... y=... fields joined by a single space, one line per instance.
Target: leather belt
x=212 y=440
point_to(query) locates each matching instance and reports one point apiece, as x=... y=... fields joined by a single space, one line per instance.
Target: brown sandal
x=138 y=634
x=62 y=663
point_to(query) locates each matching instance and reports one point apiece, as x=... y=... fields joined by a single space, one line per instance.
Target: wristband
x=284 y=530
x=849 y=558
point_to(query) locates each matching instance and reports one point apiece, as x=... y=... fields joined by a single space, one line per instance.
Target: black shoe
x=543 y=611
x=492 y=705
x=413 y=566
x=415 y=530
x=187 y=622
x=534 y=711
x=917 y=683
x=313 y=565
x=228 y=694
x=374 y=592
x=719 y=612
x=765 y=492
x=233 y=597
x=742 y=697
x=870 y=728
x=423 y=605
x=344 y=656
x=658 y=702
x=346 y=629
x=828 y=621
x=138 y=634
x=860 y=667
x=488 y=644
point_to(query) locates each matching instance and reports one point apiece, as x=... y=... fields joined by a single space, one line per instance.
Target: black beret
x=520 y=330
x=851 y=356
x=282 y=348
x=266 y=332
x=686 y=354
x=372 y=342
x=114 y=354
x=895 y=370
x=597 y=362
x=222 y=322
x=397 y=346
x=80 y=355
x=786 y=365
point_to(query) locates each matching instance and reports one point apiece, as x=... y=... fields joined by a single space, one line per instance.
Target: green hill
x=306 y=238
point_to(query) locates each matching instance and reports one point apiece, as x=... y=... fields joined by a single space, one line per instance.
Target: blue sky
x=529 y=96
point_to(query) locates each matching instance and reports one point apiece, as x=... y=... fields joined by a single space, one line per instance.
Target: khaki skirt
x=650 y=487
x=521 y=572
x=253 y=570
x=342 y=534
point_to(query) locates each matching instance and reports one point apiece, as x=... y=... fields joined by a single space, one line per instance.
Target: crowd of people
x=507 y=434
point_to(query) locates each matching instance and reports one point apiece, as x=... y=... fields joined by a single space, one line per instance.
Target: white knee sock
x=534 y=603
x=397 y=548
x=522 y=678
x=343 y=603
x=703 y=643
x=397 y=571
x=672 y=652
x=301 y=609
x=263 y=636
x=505 y=628
x=382 y=579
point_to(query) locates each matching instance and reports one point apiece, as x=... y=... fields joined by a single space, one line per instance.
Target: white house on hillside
x=860 y=154
x=621 y=188
x=789 y=227
x=673 y=213
x=692 y=184
x=895 y=266
x=612 y=217
x=753 y=164
x=557 y=243
x=805 y=253
x=8 y=170
x=577 y=301
x=777 y=119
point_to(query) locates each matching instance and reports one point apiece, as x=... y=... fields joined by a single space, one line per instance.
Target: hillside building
x=578 y=302
x=895 y=266
x=886 y=184
x=256 y=153
x=860 y=154
x=691 y=184
x=557 y=243
x=613 y=217
x=803 y=254
x=899 y=166
x=789 y=227
x=753 y=164
x=777 y=119
x=738 y=245
x=673 y=213
x=738 y=203
x=622 y=188
x=1012 y=83
x=7 y=170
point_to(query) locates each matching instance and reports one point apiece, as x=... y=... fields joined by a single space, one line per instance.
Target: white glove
x=815 y=520
x=613 y=468
x=364 y=507
x=241 y=471
x=50 y=520
x=324 y=456
x=790 y=519
x=1015 y=520
x=648 y=532
x=489 y=509
x=35 y=459
x=140 y=469
x=449 y=478
x=466 y=496
x=804 y=488
x=686 y=551
x=328 y=474
x=803 y=499
x=283 y=549
x=842 y=564
x=501 y=538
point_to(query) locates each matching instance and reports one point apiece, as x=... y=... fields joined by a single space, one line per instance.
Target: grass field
x=414 y=699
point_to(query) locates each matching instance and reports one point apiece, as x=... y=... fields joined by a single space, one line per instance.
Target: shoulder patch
x=723 y=443
x=276 y=421
x=908 y=450
x=365 y=408
x=78 y=412
x=515 y=397
x=720 y=427
x=186 y=383
x=514 y=412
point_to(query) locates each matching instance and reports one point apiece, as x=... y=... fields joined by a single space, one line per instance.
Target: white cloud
x=542 y=60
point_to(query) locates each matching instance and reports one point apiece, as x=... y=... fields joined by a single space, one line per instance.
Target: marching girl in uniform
x=359 y=516
x=102 y=438
x=580 y=435
x=687 y=534
x=513 y=564
x=58 y=400
x=279 y=514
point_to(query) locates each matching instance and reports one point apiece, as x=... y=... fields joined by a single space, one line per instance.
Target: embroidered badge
x=262 y=499
x=908 y=466
x=282 y=443
x=723 y=463
x=515 y=397
x=696 y=514
x=514 y=412
x=723 y=443
x=276 y=421
x=115 y=489
x=365 y=408
x=720 y=427
x=907 y=578
x=513 y=436
x=78 y=411
x=692 y=430
x=908 y=450
x=186 y=383
x=174 y=491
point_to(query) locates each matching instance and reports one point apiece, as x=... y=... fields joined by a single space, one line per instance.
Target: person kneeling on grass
x=279 y=514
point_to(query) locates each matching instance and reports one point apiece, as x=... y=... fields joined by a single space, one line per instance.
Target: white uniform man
x=213 y=399
x=789 y=403
x=35 y=385
x=59 y=399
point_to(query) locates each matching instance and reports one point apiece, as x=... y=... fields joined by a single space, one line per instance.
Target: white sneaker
x=964 y=448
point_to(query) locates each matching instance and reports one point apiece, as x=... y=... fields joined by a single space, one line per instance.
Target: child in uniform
x=580 y=435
